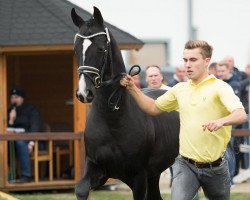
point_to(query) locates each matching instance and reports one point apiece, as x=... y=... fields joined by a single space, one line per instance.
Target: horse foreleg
x=93 y=177
x=153 y=188
x=139 y=186
x=82 y=188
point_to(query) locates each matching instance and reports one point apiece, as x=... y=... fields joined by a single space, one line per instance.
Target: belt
x=215 y=163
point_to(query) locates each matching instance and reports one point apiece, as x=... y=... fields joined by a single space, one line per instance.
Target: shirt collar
x=209 y=77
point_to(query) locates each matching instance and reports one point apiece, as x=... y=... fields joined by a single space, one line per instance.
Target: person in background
x=204 y=132
x=247 y=138
x=237 y=74
x=179 y=76
x=241 y=158
x=235 y=157
x=23 y=116
x=225 y=73
x=212 y=68
x=154 y=78
x=247 y=69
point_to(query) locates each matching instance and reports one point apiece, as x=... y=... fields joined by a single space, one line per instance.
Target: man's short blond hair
x=206 y=49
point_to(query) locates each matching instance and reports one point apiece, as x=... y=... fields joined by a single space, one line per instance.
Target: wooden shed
x=36 y=53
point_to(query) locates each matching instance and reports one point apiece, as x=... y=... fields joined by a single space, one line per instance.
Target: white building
x=223 y=23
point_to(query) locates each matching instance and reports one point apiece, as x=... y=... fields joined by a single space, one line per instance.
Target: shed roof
x=47 y=22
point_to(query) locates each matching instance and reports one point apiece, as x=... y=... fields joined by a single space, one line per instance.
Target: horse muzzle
x=87 y=98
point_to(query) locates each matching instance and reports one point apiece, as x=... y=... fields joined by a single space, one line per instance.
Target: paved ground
x=4 y=196
x=242 y=187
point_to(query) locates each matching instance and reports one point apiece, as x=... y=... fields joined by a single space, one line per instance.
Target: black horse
x=121 y=141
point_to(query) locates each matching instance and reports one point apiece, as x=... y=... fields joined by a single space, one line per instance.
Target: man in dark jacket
x=226 y=74
x=25 y=118
x=238 y=75
x=179 y=76
x=241 y=77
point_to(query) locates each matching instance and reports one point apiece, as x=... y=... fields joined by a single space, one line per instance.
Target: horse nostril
x=90 y=95
x=79 y=96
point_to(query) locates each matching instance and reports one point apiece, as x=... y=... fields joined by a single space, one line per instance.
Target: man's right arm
x=146 y=103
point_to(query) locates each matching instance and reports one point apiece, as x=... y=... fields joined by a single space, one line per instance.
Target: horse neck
x=116 y=67
x=102 y=101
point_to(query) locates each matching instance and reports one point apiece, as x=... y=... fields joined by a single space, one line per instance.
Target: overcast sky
x=223 y=23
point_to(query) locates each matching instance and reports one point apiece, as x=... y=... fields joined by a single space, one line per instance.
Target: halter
x=115 y=97
x=86 y=70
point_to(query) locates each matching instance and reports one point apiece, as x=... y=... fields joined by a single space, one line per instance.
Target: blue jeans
x=23 y=155
x=196 y=197
x=215 y=181
x=246 y=159
x=230 y=156
x=246 y=140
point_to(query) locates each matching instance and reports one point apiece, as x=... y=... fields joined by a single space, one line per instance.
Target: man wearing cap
x=23 y=116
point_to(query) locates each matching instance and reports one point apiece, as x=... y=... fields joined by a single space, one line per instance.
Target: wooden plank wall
x=48 y=83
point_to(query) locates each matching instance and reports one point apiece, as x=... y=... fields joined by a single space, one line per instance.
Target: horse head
x=98 y=56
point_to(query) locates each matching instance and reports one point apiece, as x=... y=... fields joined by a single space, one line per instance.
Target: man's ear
x=207 y=60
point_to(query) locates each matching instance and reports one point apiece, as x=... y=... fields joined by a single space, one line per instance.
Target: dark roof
x=46 y=22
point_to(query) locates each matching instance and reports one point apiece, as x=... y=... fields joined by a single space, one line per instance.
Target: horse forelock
x=93 y=27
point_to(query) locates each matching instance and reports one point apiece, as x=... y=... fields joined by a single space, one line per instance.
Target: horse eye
x=101 y=49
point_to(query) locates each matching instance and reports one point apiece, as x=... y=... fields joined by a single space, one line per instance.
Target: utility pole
x=191 y=29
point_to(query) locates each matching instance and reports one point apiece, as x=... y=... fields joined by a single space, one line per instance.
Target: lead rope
x=119 y=91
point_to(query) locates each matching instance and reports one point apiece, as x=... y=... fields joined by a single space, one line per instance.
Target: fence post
x=3 y=117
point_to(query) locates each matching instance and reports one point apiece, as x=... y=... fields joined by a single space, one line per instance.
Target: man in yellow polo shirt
x=208 y=107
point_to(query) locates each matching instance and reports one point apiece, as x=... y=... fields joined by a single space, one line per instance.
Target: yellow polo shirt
x=197 y=104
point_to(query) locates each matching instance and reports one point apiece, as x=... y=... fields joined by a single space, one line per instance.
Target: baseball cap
x=17 y=91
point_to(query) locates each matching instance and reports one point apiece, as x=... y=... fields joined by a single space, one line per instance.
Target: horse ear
x=78 y=21
x=98 y=16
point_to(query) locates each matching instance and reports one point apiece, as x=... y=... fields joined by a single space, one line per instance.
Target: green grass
x=104 y=195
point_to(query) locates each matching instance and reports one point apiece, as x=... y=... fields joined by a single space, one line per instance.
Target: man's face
x=247 y=71
x=153 y=77
x=17 y=100
x=181 y=73
x=195 y=64
x=223 y=72
x=230 y=61
x=212 y=71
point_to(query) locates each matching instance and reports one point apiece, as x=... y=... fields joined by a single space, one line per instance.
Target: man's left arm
x=238 y=116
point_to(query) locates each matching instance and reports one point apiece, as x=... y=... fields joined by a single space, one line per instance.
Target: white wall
x=223 y=23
